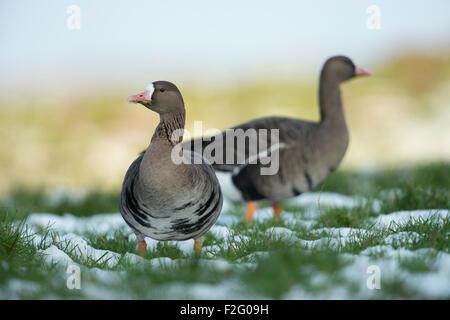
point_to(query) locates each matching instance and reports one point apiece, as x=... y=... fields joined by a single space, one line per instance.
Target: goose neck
x=330 y=101
x=171 y=127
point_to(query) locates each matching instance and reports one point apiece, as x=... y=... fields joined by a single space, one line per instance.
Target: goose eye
x=162 y=90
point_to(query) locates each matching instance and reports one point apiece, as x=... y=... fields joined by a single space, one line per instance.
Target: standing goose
x=161 y=198
x=308 y=151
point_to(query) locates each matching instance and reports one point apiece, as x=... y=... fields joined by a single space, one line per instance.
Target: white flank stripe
x=228 y=188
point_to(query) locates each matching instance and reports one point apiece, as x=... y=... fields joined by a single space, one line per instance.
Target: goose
x=308 y=151
x=162 y=197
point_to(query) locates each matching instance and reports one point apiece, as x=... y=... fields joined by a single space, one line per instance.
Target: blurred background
x=67 y=68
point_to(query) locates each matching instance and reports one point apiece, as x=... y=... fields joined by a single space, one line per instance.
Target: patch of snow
x=341 y=236
x=402 y=237
x=210 y=251
x=335 y=238
x=68 y=223
x=163 y=262
x=331 y=243
x=159 y=262
x=229 y=289
x=81 y=249
x=377 y=205
x=38 y=240
x=388 y=251
x=281 y=233
x=186 y=246
x=240 y=239
x=341 y=232
x=308 y=224
x=54 y=254
x=220 y=232
x=434 y=284
x=15 y=287
x=263 y=214
x=402 y=217
x=217 y=264
x=108 y=277
x=252 y=257
x=335 y=292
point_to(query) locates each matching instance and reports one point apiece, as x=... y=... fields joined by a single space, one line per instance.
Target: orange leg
x=277 y=209
x=142 y=246
x=251 y=208
x=198 y=244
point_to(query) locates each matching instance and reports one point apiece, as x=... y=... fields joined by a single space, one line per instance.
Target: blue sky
x=134 y=40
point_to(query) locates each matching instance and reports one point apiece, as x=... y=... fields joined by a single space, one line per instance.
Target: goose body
x=306 y=156
x=307 y=151
x=162 y=198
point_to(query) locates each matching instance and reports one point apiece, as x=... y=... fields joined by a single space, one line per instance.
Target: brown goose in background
x=161 y=199
x=308 y=151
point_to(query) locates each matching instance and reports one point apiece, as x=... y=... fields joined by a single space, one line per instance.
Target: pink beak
x=362 y=72
x=139 y=98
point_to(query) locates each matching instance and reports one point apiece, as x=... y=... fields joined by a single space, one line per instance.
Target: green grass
x=285 y=266
x=430 y=176
x=21 y=262
x=22 y=201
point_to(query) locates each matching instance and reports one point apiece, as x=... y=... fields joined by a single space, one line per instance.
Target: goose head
x=342 y=68
x=160 y=96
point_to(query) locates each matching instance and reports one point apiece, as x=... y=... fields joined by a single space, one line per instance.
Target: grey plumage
x=173 y=217
x=161 y=199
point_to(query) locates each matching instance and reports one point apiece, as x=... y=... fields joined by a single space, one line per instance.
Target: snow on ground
x=431 y=285
x=70 y=230
x=434 y=284
x=402 y=217
x=100 y=223
x=80 y=248
x=54 y=254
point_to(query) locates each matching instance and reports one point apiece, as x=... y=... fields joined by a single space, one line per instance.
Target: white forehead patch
x=149 y=90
